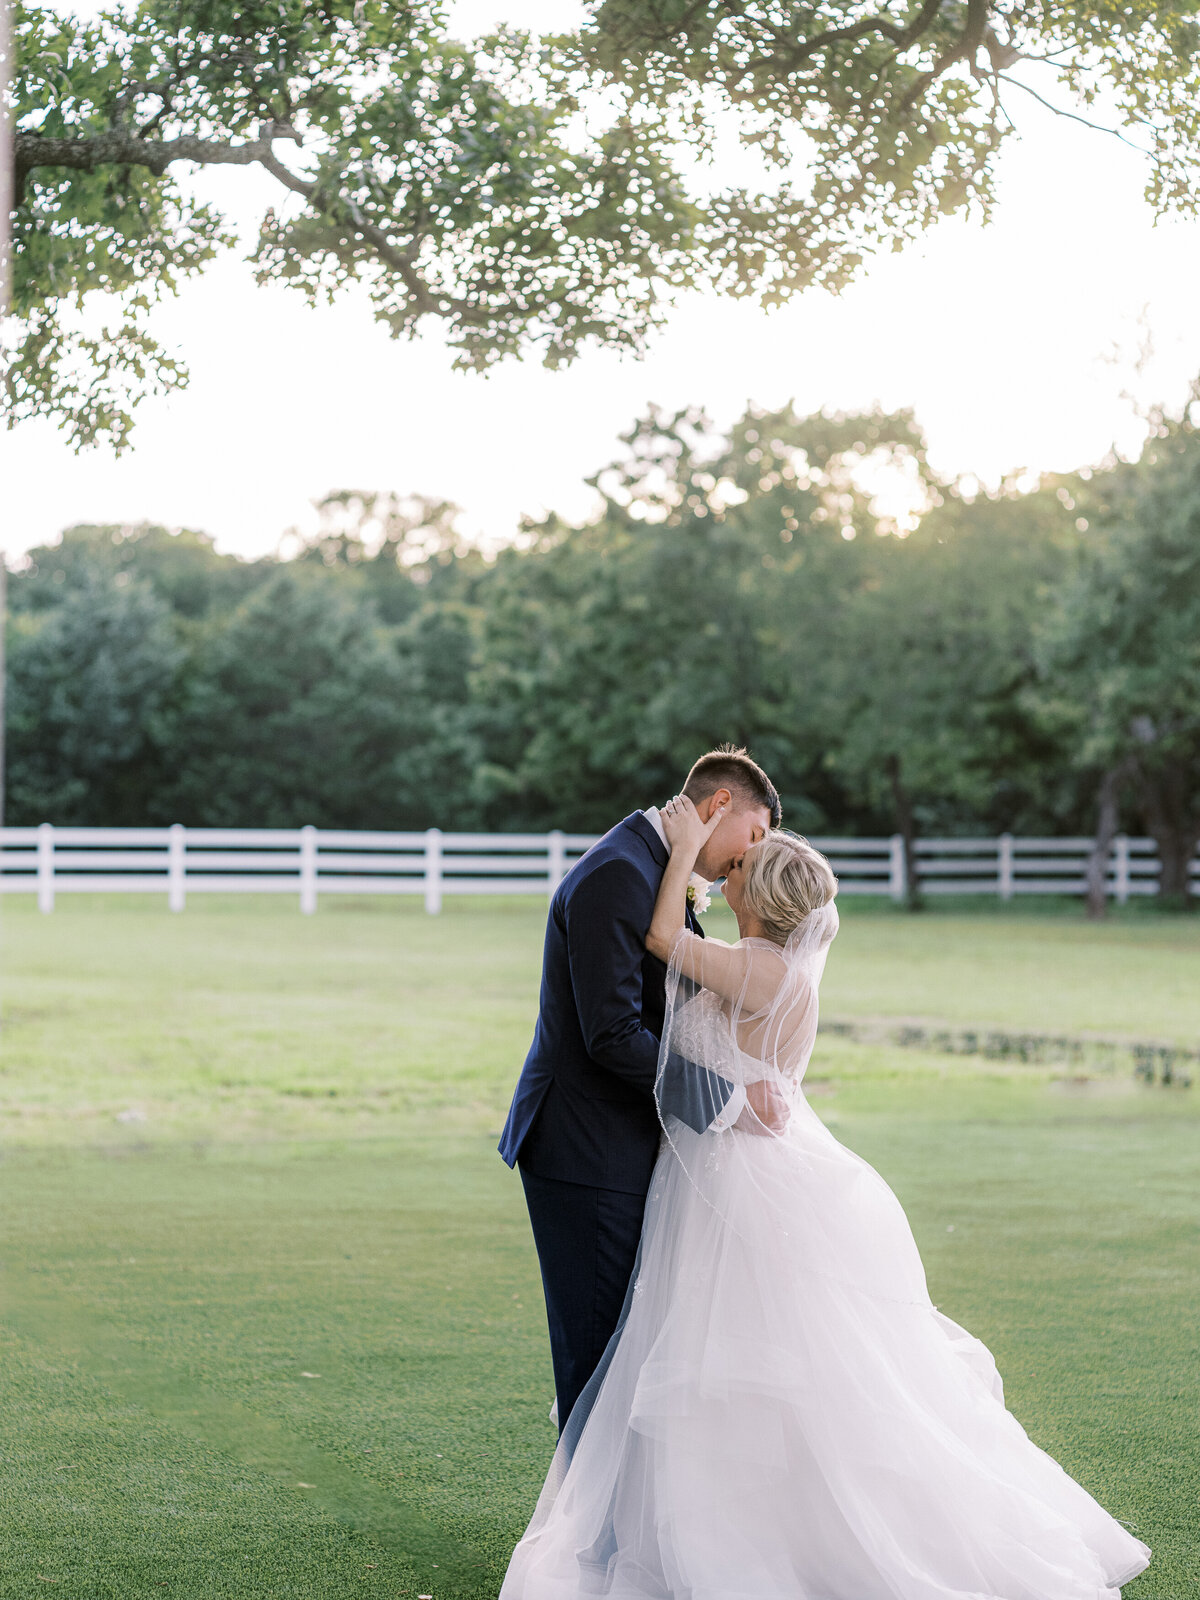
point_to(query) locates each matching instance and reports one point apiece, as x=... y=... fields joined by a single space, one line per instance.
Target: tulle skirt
x=783 y=1413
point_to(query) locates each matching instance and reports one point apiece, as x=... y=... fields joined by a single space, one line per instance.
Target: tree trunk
x=6 y=206
x=3 y=668
x=1174 y=825
x=1108 y=825
x=907 y=829
x=1175 y=851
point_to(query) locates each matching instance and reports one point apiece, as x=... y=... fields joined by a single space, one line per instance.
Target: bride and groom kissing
x=757 y=1399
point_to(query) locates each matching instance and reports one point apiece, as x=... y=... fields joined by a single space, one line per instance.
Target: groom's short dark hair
x=728 y=767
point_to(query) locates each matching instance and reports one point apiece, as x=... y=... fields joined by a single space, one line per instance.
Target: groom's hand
x=766 y=1109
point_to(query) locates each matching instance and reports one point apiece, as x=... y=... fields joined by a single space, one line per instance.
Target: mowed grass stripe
x=391 y=1269
x=256 y=1443
x=315 y=1189
x=101 y=1500
x=174 y=1429
x=400 y=1277
x=242 y=1019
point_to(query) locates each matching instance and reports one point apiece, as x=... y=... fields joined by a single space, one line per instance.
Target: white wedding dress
x=783 y=1414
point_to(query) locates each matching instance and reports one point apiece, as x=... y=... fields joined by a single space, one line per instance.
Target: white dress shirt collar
x=652 y=816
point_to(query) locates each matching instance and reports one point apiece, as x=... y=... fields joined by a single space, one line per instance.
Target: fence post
x=433 y=871
x=897 y=877
x=1121 y=867
x=308 y=870
x=1004 y=866
x=45 y=866
x=176 y=867
x=556 y=866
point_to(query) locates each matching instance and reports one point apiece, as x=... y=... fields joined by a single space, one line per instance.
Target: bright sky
x=1001 y=338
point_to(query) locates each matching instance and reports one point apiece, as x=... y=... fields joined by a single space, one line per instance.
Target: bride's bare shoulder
x=748 y=972
x=766 y=971
x=763 y=953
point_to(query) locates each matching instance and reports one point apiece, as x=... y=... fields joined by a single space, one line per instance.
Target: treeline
x=1026 y=661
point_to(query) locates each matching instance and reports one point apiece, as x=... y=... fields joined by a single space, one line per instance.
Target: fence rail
x=49 y=861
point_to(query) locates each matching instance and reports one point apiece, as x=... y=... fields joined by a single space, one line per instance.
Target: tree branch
x=1073 y=116
x=804 y=49
x=677 y=25
x=965 y=48
x=116 y=147
x=342 y=209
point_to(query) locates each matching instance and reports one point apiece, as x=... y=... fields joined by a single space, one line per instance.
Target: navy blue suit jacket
x=584 y=1109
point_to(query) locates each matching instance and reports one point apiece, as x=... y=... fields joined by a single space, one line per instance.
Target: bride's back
x=775 y=1023
x=748 y=1011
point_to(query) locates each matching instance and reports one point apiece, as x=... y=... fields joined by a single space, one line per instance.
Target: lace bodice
x=701 y=1031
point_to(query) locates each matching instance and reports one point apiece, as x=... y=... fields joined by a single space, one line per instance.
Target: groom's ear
x=719 y=797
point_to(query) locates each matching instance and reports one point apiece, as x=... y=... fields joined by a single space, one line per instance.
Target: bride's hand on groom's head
x=683 y=825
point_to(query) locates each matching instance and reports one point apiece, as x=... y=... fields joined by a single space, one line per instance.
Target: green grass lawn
x=279 y=1332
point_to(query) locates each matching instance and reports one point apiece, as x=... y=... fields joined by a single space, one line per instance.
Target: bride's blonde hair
x=787 y=878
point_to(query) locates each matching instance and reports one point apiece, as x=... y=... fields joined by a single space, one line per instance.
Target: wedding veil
x=746 y=1015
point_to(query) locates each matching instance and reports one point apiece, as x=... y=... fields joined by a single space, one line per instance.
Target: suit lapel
x=644 y=829
x=637 y=823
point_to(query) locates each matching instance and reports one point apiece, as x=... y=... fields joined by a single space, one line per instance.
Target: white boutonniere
x=697 y=893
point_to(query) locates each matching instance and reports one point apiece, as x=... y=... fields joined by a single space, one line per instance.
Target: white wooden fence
x=49 y=861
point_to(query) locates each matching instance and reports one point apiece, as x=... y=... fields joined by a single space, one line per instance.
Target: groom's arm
x=606 y=922
x=700 y=1098
x=606 y=919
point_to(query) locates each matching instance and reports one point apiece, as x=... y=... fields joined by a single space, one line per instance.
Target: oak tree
x=522 y=193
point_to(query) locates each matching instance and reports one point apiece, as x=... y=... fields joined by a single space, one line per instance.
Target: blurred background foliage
x=978 y=663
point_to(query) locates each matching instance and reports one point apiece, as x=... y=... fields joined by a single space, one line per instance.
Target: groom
x=583 y=1126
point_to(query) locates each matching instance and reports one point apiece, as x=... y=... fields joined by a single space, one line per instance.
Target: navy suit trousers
x=587 y=1242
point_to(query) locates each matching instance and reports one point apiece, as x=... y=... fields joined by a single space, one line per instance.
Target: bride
x=782 y=1413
